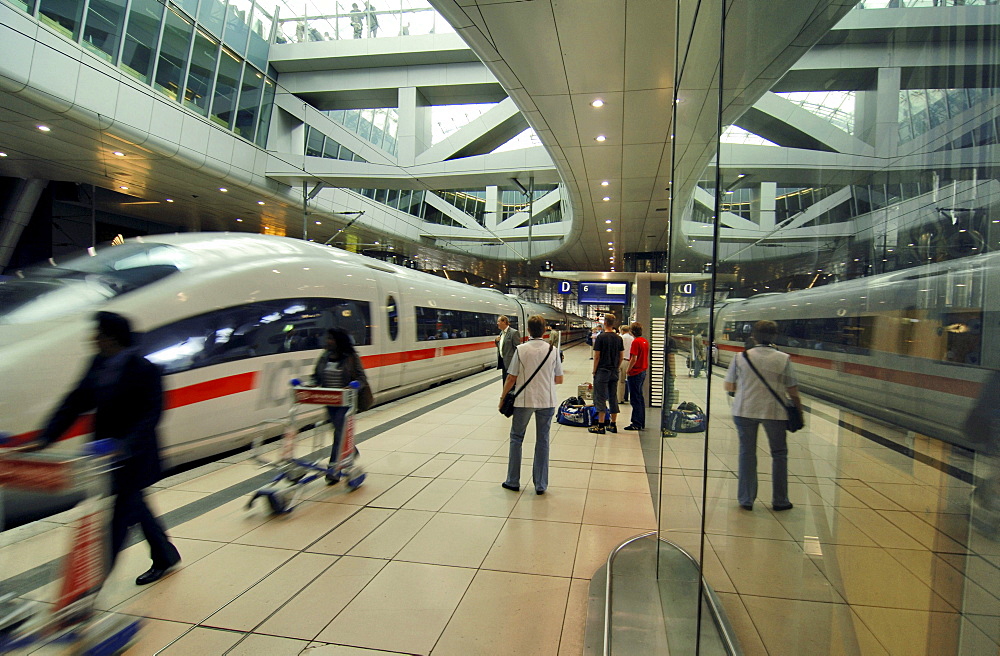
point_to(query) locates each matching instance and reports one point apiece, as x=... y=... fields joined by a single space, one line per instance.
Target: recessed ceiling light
x=239 y=220
x=260 y=202
x=3 y=154
x=611 y=243
x=123 y=188
x=118 y=153
x=607 y=198
x=607 y=220
x=608 y=230
x=597 y=103
x=44 y=128
x=611 y=248
x=223 y=189
x=605 y=183
x=600 y=137
x=170 y=200
x=319 y=223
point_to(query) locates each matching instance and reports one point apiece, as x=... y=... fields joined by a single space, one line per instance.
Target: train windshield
x=56 y=289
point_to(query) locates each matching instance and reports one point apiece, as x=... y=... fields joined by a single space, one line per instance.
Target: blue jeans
x=518 y=426
x=338 y=417
x=746 y=428
x=636 y=398
x=699 y=364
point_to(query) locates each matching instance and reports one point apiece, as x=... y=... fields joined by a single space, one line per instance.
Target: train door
x=391 y=336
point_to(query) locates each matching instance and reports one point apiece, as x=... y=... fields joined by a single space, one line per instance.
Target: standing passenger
x=372 y=20
x=338 y=366
x=357 y=20
x=627 y=338
x=537 y=397
x=638 y=363
x=506 y=342
x=754 y=405
x=126 y=393
x=698 y=348
x=607 y=359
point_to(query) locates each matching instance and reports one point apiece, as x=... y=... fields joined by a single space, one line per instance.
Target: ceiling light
x=170 y=200
x=611 y=248
x=223 y=189
x=260 y=202
x=600 y=137
x=597 y=103
x=608 y=230
x=607 y=198
x=319 y=223
x=44 y=128
x=241 y=221
x=3 y=154
x=607 y=220
x=611 y=243
x=118 y=153
x=123 y=188
x=605 y=183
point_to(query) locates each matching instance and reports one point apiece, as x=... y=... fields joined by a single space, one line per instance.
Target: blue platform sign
x=565 y=287
x=602 y=293
x=687 y=289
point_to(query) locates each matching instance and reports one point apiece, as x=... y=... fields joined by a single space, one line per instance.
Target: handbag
x=507 y=407
x=795 y=422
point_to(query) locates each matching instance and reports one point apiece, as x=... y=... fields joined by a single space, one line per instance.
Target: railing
x=910 y=4
x=361 y=24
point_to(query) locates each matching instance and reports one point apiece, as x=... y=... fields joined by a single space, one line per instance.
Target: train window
x=393 y=314
x=436 y=323
x=49 y=291
x=254 y=330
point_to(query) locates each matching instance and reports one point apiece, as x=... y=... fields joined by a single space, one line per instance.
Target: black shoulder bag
x=507 y=407
x=795 y=421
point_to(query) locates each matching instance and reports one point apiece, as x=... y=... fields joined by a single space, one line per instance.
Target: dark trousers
x=637 y=399
x=131 y=509
x=338 y=419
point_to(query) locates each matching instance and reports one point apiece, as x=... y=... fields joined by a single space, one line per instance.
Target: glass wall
x=198 y=63
x=317 y=21
x=870 y=255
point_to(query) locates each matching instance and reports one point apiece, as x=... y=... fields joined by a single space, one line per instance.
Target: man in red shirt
x=638 y=364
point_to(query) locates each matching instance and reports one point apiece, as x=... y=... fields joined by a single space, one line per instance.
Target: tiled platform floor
x=432 y=556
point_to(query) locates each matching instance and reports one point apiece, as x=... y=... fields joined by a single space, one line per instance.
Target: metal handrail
x=729 y=641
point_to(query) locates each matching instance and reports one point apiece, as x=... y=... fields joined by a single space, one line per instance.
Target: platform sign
x=565 y=287
x=687 y=289
x=615 y=293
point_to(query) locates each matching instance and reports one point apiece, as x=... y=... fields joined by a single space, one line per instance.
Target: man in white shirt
x=537 y=396
x=627 y=338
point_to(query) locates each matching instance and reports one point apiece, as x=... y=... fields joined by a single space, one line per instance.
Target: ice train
x=912 y=347
x=232 y=317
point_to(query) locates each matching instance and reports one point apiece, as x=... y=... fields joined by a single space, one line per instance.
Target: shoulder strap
x=521 y=389
x=746 y=357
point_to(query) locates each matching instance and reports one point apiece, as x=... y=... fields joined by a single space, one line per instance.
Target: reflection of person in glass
x=754 y=405
x=357 y=20
x=125 y=391
x=982 y=429
x=372 y=20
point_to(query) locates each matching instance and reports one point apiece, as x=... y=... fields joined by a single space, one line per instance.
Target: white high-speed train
x=231 y=318
x=912 y=347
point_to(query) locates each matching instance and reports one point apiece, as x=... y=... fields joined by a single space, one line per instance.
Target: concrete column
x=887 y=113
x=413 y=134
x=766 y=204
x=17 y=214
x=287 y=133
x=865 y=104
x=493 y=207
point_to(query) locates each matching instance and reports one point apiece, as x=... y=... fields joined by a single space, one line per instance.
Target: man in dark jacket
x=125 y=391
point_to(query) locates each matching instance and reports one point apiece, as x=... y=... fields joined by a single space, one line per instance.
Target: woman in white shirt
x=538 y=398
x=754 y=405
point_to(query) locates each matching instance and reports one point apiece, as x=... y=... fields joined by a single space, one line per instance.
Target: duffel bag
x=573 y=414
x=687 y=418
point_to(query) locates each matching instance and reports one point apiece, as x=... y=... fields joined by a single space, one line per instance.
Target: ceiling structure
x=556 y=57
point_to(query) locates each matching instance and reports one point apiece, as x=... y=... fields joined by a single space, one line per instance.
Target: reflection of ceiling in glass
x=736 y=135
x=527 y=139
x=312 y=8
x=448 y=119
x=834 y=106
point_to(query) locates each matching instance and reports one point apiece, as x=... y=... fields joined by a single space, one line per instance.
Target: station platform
x=432 y=556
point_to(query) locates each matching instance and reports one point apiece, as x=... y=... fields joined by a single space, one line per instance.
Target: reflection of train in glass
x=231 y=318
x=912 y=347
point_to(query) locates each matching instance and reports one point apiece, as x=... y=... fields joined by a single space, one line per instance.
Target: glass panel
x=62 y=15
x=23 y=6
x=199 y=82
x=212 y=16
x=140 y=38
x=173 y=54
x=226 y=83
x=331 y=149
x=260 y=32
x=314 y=142
x=266 y=107
x=237 y=25
x=103 y=31
x=190 y=7
x=250 y=92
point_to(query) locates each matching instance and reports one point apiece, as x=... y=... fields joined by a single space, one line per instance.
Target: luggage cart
x=71 y=625
x=285 y=489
